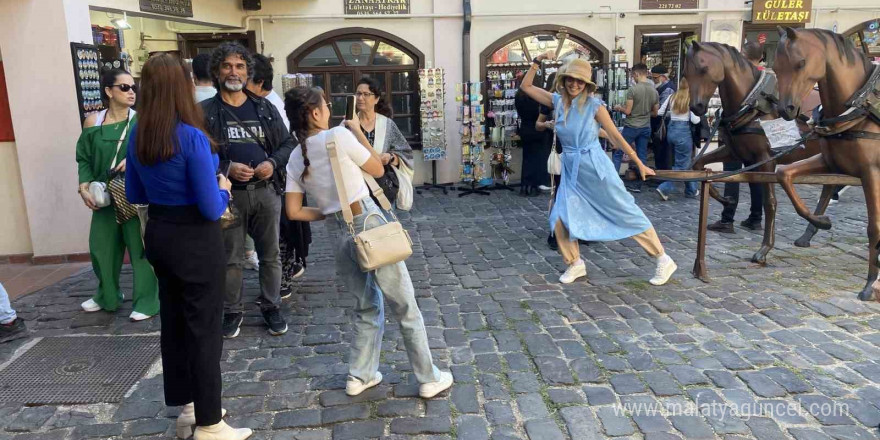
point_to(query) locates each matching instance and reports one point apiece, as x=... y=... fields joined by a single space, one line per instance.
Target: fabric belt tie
x=571 y=167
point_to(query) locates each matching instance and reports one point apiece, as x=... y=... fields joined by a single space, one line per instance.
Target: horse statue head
x=808 y=56
x=704 y=71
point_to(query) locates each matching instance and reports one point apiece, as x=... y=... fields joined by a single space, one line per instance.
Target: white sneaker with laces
x=355 y=386
x=251 y=262
x=663 y=195
x=431 y=389
x=544 y=188
x=665 y=268
x=90 y=306
x=575 y=271
x=138 y=316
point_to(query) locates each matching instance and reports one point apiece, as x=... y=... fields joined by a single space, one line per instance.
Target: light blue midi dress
x=591 y=200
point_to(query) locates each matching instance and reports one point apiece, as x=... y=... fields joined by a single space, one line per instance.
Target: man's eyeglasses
x=126 y=87
x=364 y=95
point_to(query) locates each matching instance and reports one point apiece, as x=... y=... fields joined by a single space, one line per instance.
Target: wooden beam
x=762 y=177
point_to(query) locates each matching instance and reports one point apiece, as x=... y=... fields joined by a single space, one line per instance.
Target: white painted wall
x=16 y=236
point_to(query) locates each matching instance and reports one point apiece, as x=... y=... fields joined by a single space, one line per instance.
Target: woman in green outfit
x=102 y=146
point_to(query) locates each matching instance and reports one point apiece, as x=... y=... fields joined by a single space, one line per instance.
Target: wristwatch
x=536 y=61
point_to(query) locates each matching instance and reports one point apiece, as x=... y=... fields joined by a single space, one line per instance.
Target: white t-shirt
x=279 y=104
x=319 y=184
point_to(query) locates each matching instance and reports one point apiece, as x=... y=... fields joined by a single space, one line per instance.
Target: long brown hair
x=165 y=99
x=681 y=100
x=299 y=103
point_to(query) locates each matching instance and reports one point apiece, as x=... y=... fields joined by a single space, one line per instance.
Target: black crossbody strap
x=248 y=129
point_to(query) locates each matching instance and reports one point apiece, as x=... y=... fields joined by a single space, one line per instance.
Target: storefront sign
x=376 y=7
x=177 y=8
x=669 y=4
x=782 y=11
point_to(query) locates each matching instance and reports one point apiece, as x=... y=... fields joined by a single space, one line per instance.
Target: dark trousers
x=187 y=254
x=260 y=210
x=731 y=192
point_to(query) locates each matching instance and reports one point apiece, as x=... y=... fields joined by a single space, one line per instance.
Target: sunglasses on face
x=126 y=87
x=576 y=81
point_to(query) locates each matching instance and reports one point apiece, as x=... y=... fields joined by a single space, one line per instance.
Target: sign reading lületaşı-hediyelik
x=376 y=7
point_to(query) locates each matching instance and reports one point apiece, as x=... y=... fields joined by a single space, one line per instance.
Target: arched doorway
x=866 y=36
x=517 y=49
x=338 y=59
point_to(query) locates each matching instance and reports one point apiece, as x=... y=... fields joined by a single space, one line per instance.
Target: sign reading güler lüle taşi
x=376 y=7
x=177 y=8
x=782 y=11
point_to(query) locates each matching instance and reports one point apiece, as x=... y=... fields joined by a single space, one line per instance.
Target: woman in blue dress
x=592 y=204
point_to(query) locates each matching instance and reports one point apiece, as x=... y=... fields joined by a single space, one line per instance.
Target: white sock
x=662 y=258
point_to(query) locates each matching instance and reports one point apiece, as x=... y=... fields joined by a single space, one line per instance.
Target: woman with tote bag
x=310 y=170
x=374 y=114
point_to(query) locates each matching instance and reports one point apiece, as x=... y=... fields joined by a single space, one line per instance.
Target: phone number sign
x=669 y=4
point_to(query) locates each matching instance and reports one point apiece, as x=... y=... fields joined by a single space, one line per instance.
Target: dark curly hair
x=298 y=104
x=223 y=51
x=382 y=107
x=108 y=78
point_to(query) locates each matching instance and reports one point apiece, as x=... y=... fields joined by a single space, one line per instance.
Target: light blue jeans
x=7 y=315
x=369 y=288
x=679 y=135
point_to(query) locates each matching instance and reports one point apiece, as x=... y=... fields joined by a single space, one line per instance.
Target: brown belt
x=356 y=208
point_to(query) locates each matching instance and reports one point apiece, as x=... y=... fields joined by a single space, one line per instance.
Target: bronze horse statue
x=849 y=87
x=747 y=95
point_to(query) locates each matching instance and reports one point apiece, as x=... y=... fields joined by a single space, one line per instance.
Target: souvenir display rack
x=473 y=137
x=503 y=124
x=432 y=86
x=612 y=82
x=293 y=80
x=86 y=71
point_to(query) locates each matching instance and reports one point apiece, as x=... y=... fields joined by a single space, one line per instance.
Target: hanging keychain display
x=472 y=116
x=432 y=90
x=504 y=121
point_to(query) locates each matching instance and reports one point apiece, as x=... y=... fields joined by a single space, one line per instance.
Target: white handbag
x=554 y=162
x=100 y=194
x=378 y=247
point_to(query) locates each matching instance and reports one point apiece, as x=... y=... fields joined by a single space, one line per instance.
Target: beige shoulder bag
x=378 y=247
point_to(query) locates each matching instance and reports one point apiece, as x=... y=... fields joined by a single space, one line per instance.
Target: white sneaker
x=431 y=389
x=574 y=272
x=138 y=316
x=251 y=263
x=221 y=431
x=355 y=386
x=544 y=188
x=665 y=268
x=90 y=306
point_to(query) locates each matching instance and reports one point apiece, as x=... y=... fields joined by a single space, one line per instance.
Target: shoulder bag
x=377 y=247
x=554 y=162
x=125 y=211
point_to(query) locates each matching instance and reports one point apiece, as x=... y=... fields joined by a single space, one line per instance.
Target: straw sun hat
x=577 y=68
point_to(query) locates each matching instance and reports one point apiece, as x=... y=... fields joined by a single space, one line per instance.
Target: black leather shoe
x=551 y=242
x=722 y=227
x=752 y=224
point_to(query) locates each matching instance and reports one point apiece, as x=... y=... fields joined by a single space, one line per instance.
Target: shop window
x=866 y=37
x=340 y=59
x=6 y=134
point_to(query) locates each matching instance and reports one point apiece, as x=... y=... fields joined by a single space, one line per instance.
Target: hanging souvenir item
x=473 y=135
x=432 y=88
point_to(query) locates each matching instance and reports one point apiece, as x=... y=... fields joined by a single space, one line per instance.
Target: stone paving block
x=531 y=406
x=102 y=430
x=765 y=428
x=849 y=433
x=761 y=384
x=32 y=419
x=599 y=395
x=472 y=428
x=297 y=419
x=662 y=383
x=344 y=413
x=693 y=427
x=358 y=430
x=421 y=425
x=807 y=434
x=499 y=413
x=465 y=398
x=687 y=375
x=825 y=410
x=614 y=422
x=543 y=429
x=581 y=423
x=627 y=384
x=554 y=370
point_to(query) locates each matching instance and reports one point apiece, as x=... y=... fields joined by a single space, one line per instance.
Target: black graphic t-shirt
x=242 y=146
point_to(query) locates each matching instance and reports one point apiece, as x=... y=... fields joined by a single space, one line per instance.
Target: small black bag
x=389 y=183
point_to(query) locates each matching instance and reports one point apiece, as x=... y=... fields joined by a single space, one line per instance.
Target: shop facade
x=43 y=217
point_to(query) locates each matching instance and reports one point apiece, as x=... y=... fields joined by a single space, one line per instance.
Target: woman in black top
x=535 y=146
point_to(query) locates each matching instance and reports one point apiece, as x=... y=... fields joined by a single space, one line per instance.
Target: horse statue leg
x=769 y=196
x=785 y=176
x=721 y=154
x=871 y=187
x=824 y=200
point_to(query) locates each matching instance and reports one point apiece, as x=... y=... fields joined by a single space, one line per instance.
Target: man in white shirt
x=202 y=77
x=261 y=85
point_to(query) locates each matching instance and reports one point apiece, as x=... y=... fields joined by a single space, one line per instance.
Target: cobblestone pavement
x=784 y=351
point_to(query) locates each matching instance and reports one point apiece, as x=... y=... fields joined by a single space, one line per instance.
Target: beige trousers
x=571 y=252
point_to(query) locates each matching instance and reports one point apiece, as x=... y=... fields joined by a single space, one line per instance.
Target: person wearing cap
x=591 y=202
x=642 y=102
x=665 y=89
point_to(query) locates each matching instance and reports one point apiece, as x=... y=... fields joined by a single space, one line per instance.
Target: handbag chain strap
x=340 y=187
x=121 y=138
